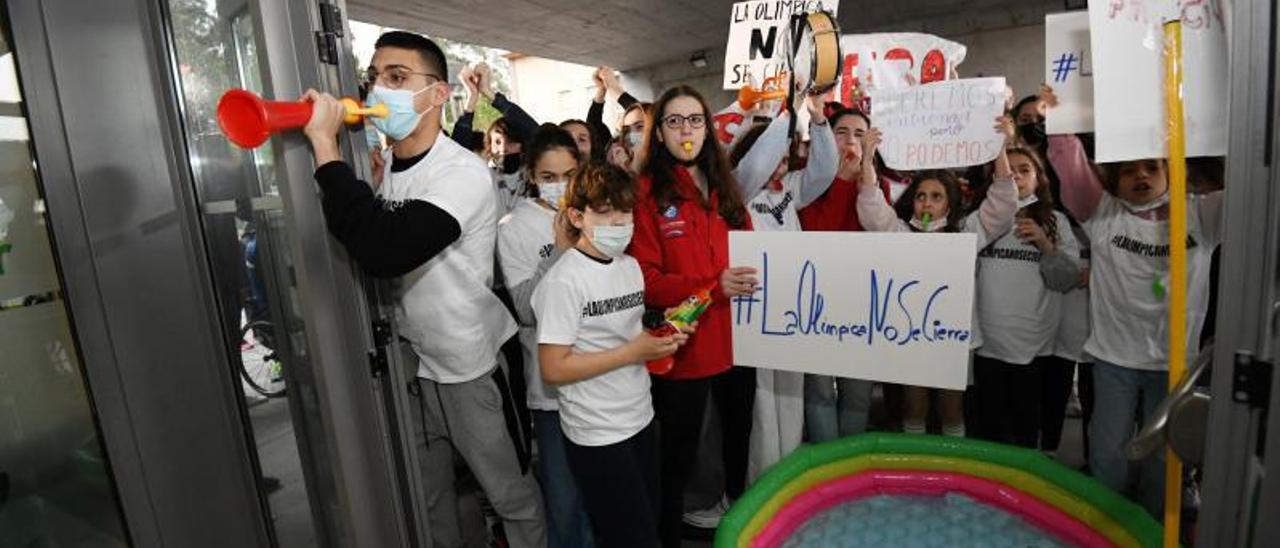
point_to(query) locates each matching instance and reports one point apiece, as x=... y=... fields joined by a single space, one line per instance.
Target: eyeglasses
x=393 y=77
x=676 y=121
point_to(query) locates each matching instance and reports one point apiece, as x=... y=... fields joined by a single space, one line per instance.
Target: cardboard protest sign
x=894 y=60
x=1129 y=104
x=1068 y=68
x=892 y=307
x=940 y=125
x=757 y=38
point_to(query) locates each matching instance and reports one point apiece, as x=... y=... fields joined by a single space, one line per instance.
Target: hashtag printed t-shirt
x=1129 y=256
x=1019 y=315
x=594 y=306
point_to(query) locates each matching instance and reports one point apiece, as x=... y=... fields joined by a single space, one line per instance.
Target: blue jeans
x=1117 y=393
x=835 y=407
x=567 y=523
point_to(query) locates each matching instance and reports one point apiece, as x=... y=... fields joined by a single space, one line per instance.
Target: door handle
x=1155 y=431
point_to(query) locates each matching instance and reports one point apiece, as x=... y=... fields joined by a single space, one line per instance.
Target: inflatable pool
x=911 y=490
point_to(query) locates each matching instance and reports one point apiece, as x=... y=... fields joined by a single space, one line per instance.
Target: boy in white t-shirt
x=591 y=345
x=432 y=227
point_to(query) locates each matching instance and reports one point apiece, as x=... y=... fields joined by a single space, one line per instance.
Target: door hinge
x=1251 y=381
x=331 y=31
x=379 y=364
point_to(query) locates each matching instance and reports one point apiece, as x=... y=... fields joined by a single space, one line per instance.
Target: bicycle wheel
x=259 y=366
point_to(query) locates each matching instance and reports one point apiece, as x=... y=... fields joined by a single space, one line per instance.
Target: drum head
x=804 y=62
x=815 y=56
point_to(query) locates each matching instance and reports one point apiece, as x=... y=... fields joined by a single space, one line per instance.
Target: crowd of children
x=581 y=232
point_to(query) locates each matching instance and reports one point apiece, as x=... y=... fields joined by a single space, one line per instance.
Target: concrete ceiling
x=630 y=34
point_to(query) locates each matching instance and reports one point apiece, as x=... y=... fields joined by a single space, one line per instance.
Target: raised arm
x=759 y=163
x=824 y=159
x=384 y=242
x=1080 y=188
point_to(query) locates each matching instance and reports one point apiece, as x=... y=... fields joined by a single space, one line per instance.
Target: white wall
x=555 y=91
x=551 y=91
x=1016 y=53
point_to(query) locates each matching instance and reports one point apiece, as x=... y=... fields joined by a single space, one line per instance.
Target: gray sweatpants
x=469 y=417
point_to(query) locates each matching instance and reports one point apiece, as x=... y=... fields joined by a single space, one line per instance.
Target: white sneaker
x=708 y=518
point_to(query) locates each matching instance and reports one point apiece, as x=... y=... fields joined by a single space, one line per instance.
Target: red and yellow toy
x=673 y=322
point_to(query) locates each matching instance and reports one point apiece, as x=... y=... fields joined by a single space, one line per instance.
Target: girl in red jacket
x=687 y=202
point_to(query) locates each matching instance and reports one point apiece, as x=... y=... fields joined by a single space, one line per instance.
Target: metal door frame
x=1247 y=291
x=370 y=463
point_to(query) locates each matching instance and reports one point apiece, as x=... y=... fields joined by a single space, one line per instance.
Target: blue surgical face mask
x=552 y=192
x=612 y=240
x=403 y=118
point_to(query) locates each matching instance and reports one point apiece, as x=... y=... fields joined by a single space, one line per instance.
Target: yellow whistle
x=688 y=146
x=356 y=113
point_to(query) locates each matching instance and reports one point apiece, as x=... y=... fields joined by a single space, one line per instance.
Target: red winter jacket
x=682 y=249
x=837 y=209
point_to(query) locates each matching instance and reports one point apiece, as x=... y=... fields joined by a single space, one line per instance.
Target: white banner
x=940 y=125
x=1129 y=105
x=894 y=60
x=891 y=307
x=757 y=38
x=1068 y=68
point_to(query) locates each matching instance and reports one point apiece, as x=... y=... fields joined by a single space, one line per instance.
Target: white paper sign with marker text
x=890 y=307
x=1128 y=81
x=757 y=38
x=940 y=125
x=1069 y=70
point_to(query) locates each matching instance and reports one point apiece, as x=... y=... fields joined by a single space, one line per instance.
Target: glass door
x=216 y=48
x=56 y=487
x=292 y=309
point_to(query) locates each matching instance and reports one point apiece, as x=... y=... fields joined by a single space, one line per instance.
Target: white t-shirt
x=525 y=239
x=1128 y=255
x=772 y=210
x=1019 y=315
x=1073 y=329
x=445 y=307
x=595 y=307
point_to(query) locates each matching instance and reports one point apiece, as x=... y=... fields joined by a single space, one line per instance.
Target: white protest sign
x=891 y=307
x=1128 y=81
x=1068 y=68
x=757 y=38
x=894 y=60
x=940 y=125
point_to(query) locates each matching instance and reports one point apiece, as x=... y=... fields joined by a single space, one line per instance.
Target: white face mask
x=612 y=240
x=934 y=224
x=552 y=193
x=1153 y=204
x=1024 y=202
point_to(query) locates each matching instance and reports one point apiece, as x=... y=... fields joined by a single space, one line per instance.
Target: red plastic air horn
x=248 y=120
